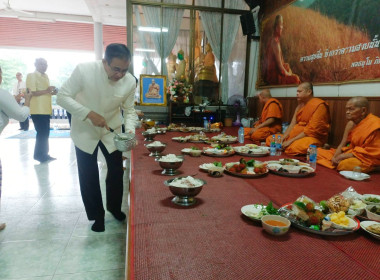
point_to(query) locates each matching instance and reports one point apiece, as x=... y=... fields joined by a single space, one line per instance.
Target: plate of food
x=246 y=169
x=252 y=150
x=371 y=199
x=308 y=216
x=189 y=150
x=218 y=152
x=181 y=139
x=296 y=171
x=206 y=166
x=373 y=228
x=257 y=211
x=223 y=138
x=198 y=138
x=289 y=161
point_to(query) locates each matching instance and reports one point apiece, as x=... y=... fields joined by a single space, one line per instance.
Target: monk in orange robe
x=270 y=120
x=277 y=72
x=363 y=135
x=310 y=123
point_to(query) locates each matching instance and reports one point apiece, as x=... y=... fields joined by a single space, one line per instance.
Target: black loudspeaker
x=248 y=24
x=253 y=3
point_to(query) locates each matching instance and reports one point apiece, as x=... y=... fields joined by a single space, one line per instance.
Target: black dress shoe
x=49 y=158
x=98 y=226
x=118 y=215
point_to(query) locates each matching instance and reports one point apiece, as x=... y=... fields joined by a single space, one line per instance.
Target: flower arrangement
x=179 y=91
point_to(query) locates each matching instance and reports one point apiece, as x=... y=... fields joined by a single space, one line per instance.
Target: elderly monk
x=270 y=120
x=310 y=123
x=363 y=135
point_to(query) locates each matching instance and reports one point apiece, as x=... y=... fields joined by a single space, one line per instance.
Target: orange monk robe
x=272 y=109
x=364 y=141
x=314 y=120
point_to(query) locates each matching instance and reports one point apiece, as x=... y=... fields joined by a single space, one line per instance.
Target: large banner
x=321 y=41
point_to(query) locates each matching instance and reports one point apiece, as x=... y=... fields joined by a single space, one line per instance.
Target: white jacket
x=89 y=89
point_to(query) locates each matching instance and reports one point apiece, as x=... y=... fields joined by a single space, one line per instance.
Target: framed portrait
x=153 y=90
x=334 y=45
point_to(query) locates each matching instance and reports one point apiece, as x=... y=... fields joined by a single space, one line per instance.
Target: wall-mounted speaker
x=253 y=3
x=248 y=24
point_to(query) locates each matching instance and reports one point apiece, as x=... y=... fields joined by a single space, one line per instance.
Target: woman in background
x=9 y=108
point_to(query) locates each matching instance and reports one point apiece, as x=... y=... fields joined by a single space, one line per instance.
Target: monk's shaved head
x=308 y=86
x=265 y=93
x=360 y=102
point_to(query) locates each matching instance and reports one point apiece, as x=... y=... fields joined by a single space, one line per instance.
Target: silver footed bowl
x=155 y=150
x=125 y=141
x=149 y=136
x=184 y=196
x=170 y=168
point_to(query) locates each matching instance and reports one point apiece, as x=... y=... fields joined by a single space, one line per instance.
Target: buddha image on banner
x=321 y=41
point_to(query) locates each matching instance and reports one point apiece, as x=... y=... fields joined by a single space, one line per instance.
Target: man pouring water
x=93 y=95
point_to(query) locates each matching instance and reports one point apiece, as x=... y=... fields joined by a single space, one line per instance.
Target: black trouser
x=69 y=117
x=89 y=181
x=25 y=124
x=42 y=126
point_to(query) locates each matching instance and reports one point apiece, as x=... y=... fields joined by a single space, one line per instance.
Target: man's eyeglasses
x=118 y=70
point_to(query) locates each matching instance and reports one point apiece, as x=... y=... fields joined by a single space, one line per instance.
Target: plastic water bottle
x=273 y=146
x=278 y=145
x=241 y=135
x=205 y=123
x=312 y=152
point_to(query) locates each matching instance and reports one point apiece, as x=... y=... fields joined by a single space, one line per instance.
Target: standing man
x=93 y=95
x=270 y=119
x=310 y=123
x=20 y=87
x=41 y=108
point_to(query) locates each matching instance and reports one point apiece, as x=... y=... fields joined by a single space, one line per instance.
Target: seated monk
x=270 y=120
x=362 y=132
x=277 y=72
x=310 y=123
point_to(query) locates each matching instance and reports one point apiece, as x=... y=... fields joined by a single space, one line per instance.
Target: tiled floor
x=48 y=236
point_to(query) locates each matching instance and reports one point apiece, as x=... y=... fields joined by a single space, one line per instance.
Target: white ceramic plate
x=366 y=224
x=252 y=211
x=350 y=175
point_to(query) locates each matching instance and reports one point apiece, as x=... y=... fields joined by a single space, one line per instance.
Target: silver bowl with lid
x=125 y=141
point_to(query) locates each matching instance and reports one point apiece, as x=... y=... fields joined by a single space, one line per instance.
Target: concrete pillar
x=98 y=40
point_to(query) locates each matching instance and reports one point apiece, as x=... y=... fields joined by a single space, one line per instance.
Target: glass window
x=236 y=5
x=188 y=46
x=209 y=3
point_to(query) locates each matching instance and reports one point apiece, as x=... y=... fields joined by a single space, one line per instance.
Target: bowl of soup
x=275 y=225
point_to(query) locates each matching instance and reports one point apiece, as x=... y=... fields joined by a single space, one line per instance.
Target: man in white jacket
x=93 y=95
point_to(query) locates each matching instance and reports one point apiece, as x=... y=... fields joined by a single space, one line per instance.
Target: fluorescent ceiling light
x=144 y=50
x=37 y=19
x=152 y=29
